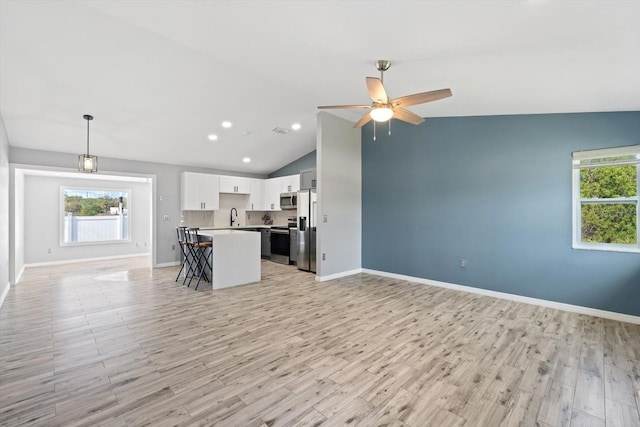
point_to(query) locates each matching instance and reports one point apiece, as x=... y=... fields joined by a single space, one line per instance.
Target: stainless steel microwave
x=288 y=201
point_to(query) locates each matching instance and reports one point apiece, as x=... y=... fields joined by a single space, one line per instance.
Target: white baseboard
x=167 y=264
x=74 y=261
x=19 y=275
x=512 y=297
x=338 y=275
x=5 y=292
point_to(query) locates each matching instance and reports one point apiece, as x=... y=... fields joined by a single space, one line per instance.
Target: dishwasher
x=280 y=244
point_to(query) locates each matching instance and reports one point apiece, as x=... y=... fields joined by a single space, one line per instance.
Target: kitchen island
x=235 y=257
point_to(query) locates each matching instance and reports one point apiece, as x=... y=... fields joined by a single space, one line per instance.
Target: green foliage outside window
x=92 y=205
x=609 y=222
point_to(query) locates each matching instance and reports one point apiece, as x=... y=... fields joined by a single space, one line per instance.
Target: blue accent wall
x=307 y=161
x=496 y=191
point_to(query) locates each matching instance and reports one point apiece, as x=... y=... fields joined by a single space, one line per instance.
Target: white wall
x=17 y=255
x=339 y=197
x=4 y=212
x=42 y=219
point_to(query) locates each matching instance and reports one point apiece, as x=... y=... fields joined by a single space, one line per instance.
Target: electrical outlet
x=173 y=247
x=324 y=256
x=325 y=218
x=165 y=218
x=463 y=263
x=50 y=251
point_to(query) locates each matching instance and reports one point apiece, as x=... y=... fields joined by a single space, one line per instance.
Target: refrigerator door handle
x=312 y=221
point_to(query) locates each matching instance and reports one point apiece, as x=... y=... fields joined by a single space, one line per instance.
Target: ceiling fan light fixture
x=86 y=162
x=381 y=114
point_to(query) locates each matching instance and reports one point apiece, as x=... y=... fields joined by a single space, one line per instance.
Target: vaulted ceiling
x=160 y=76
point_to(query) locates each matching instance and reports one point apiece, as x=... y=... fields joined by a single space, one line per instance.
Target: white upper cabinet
x=308 y=178
x=290 y=183
x=199 y=192
x=255 y=197
x=235 y=184
x=271 y=196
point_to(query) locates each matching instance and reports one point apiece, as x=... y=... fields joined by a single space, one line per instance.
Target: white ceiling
x=159 y=76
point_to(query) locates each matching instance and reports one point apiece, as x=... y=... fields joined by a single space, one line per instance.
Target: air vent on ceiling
x=280 y=130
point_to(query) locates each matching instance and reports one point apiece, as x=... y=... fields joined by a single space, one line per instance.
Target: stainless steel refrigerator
x=307 y=202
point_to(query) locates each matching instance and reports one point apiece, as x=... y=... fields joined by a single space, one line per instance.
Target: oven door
x=280 y=245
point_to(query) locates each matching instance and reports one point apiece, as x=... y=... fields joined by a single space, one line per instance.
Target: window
x=605 y=199
x=91 y=215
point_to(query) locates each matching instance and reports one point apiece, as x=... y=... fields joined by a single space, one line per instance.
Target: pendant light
x=86 y=162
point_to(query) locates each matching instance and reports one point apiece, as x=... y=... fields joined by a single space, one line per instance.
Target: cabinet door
x=265 y=242
x=295 y=183
x=210 y=192
x=290 y=183
x=243 y=186
x=199 y=192
x=227 y=184
x=308 y=179
x=255 y=197
x=235 y=184
x=272 y=190
x=190 y=184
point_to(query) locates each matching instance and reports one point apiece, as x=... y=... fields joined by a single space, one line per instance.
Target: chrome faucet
x=231 y=216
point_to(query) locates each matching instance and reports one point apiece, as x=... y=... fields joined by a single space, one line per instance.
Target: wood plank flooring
x=118 y=344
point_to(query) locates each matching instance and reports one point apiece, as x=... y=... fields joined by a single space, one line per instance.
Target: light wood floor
x=114 y=343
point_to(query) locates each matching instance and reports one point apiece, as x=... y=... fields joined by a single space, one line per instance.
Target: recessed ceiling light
x=296 y=126
x=226 y=124
x=246 y=159
x=213 y=137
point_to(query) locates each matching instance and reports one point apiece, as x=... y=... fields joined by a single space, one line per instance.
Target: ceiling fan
x=384 y=108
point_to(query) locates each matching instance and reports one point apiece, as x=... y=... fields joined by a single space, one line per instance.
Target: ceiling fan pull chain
x=374 y=130
x=389 y=127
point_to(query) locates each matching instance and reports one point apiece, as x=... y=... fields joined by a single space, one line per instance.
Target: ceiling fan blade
x=363 y=121
x=335 y=107
x=407 y=116
x=376 y=90
x=421 y=98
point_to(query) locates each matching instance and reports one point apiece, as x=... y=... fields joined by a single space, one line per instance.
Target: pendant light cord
x=87 y=137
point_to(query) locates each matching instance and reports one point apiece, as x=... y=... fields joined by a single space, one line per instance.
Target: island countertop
x=221 y=231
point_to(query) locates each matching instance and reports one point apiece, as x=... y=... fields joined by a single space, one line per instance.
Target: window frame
x=62 y=213
x=578 y=201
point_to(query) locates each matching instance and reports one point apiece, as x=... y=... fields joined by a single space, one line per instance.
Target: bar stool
x=187 y=257
x=200 y=251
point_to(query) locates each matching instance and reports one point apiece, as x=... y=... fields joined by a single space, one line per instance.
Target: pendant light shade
x=86 y=162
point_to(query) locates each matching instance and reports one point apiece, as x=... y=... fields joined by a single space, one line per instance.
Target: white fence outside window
x=84 y=229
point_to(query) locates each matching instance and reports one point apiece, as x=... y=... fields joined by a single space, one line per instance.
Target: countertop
x=223 y=232
x=243 y=227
